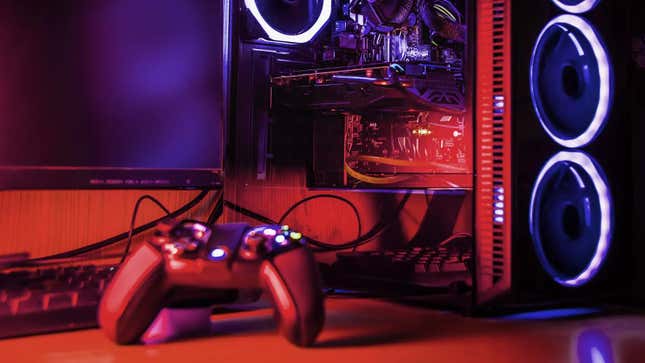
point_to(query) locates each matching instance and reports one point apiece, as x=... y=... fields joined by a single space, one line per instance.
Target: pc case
x=526 y=115
x=555 y=117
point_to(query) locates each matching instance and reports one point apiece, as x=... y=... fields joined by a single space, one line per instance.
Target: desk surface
x=364 y=331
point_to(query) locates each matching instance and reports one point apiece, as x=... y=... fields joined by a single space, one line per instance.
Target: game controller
x=191 y=265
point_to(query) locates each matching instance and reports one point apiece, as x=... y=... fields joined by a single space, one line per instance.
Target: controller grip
x=134 y=297
x=294 y=284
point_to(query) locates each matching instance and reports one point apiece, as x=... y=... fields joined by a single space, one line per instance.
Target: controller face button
x=270 y=232
x=281 y=240
x=295 y=235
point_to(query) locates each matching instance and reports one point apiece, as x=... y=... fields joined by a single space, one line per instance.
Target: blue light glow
x=567 y=23
x=218 y=254
x=552 y=314
x=281 y=239
x=498 y=210
x=575 y=41
x=606 y=212
x=303 y=37
x=581 y=7
x=354 y=78
x=593 y=346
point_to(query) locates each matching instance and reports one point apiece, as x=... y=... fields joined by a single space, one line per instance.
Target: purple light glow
x=594 y=346
x=606 y=210
x=604 y=72
x=303 y=37
x=580 y=7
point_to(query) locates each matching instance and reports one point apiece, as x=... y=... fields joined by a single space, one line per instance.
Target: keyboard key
x=5 y=309
x=57 y=301
x=17 y=294
x=433 y=267
x=420 y=267
x=31 y=304
x=88 y=297
x=51 y=299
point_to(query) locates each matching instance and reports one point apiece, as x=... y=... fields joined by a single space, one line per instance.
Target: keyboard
x=428 y=267
x=51 y=299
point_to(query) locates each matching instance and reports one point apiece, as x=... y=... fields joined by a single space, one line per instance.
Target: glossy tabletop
x=364 y=330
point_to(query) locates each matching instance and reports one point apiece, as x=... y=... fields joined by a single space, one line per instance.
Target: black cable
x=328 y=196
x=370 y=235
x=115 y=239
x=218 y=209
x=326 y=246
x=133 y=220
x=249 y=213
x=403 y=10
x=454 y=237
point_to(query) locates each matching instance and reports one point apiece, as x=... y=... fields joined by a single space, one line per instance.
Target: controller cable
x=377 y=229
x=249 y=213
x=133 y=220
x=118 y=238
x=326 y=196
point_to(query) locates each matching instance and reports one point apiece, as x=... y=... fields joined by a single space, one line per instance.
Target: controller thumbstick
x=253 y=246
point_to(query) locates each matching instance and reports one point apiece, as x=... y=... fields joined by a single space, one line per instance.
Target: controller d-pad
x=173 y=249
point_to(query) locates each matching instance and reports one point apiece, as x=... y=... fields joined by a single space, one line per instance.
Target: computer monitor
x=112 y=94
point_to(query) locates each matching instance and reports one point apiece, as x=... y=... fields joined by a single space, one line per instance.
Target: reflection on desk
x=364 y=331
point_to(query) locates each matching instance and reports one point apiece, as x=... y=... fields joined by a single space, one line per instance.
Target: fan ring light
x=576 y=6
x=300 y=38
x=589 y=172
x=596 y=84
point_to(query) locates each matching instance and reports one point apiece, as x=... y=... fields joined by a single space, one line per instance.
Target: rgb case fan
x=554 y=180
x=571 y=81
x=576 y=6
x=290 y=21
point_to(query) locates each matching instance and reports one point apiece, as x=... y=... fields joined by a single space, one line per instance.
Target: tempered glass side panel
x=389 y=99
